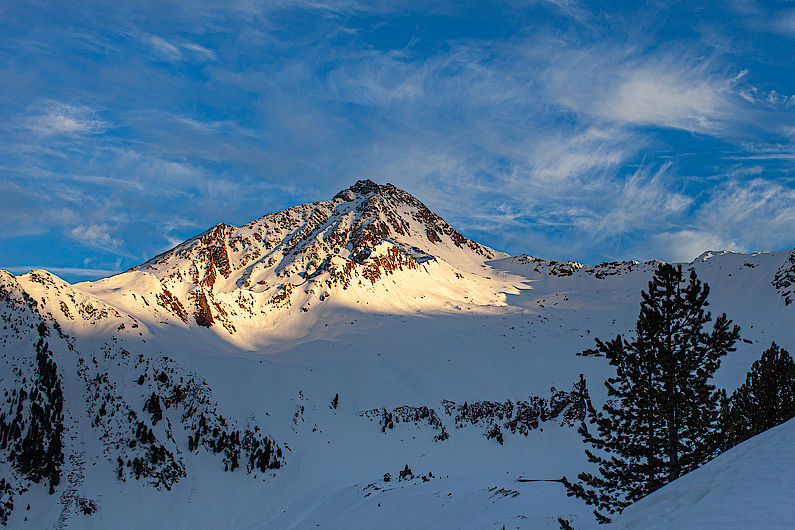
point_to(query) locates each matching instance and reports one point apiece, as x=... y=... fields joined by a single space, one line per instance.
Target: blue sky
x=567 y=130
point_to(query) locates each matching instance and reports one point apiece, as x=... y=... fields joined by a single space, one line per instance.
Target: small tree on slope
x=766 y=399
x=661 y=417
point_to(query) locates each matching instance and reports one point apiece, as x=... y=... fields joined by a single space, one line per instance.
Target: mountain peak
x=362 y=188
x=305 y=254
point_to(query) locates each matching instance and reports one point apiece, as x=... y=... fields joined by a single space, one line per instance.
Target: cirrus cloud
x=52 y=118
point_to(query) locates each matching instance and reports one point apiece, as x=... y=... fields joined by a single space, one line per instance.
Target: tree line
x=663 y=417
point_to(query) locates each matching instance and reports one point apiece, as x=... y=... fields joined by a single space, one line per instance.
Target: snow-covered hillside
x=748 y=486
x=352 y=363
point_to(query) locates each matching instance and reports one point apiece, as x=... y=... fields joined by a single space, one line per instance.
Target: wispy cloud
x=654 y=96
x=741 y=215
x=95 y=235
x=51 y=118
x=165 y=48
x=784 y=22
x=179 y=50
x=633 y=86
x=688 y=244
x=759 y=212
x=643 y=199
x=81 y=273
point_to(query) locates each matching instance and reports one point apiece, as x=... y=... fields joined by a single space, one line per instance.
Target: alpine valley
x=351 y=363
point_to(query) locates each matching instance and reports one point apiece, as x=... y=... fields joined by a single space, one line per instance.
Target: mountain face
x=236 y=279
x=355 y=362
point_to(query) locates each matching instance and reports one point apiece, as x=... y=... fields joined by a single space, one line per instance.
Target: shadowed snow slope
x=749 y=486
x=285 y=374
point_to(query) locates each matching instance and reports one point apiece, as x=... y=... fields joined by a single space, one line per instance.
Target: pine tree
x=766 y=399
x=661 y=417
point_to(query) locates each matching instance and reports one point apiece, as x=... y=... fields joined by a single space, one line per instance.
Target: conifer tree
x=766 y=399
x=661 y=417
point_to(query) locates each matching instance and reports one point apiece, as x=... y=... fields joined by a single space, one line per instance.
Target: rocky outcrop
x=562 y=269
x=172 y=304
x=494 y=417
x=784 y=280
x=550 y=267
x=203 y=315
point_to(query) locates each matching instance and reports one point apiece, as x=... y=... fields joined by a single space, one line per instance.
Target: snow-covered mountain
x=350 y=363
x=370 y=245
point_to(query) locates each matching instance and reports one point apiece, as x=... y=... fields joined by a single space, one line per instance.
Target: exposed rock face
x=172 y=304
x=784 y=280
x=203 y=315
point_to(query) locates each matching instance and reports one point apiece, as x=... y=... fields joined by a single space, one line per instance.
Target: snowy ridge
x=561 y=269
x=73 y=310
x=285 y=373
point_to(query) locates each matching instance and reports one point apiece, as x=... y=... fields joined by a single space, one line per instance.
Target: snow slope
x=748 y=486
x=270 y=376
